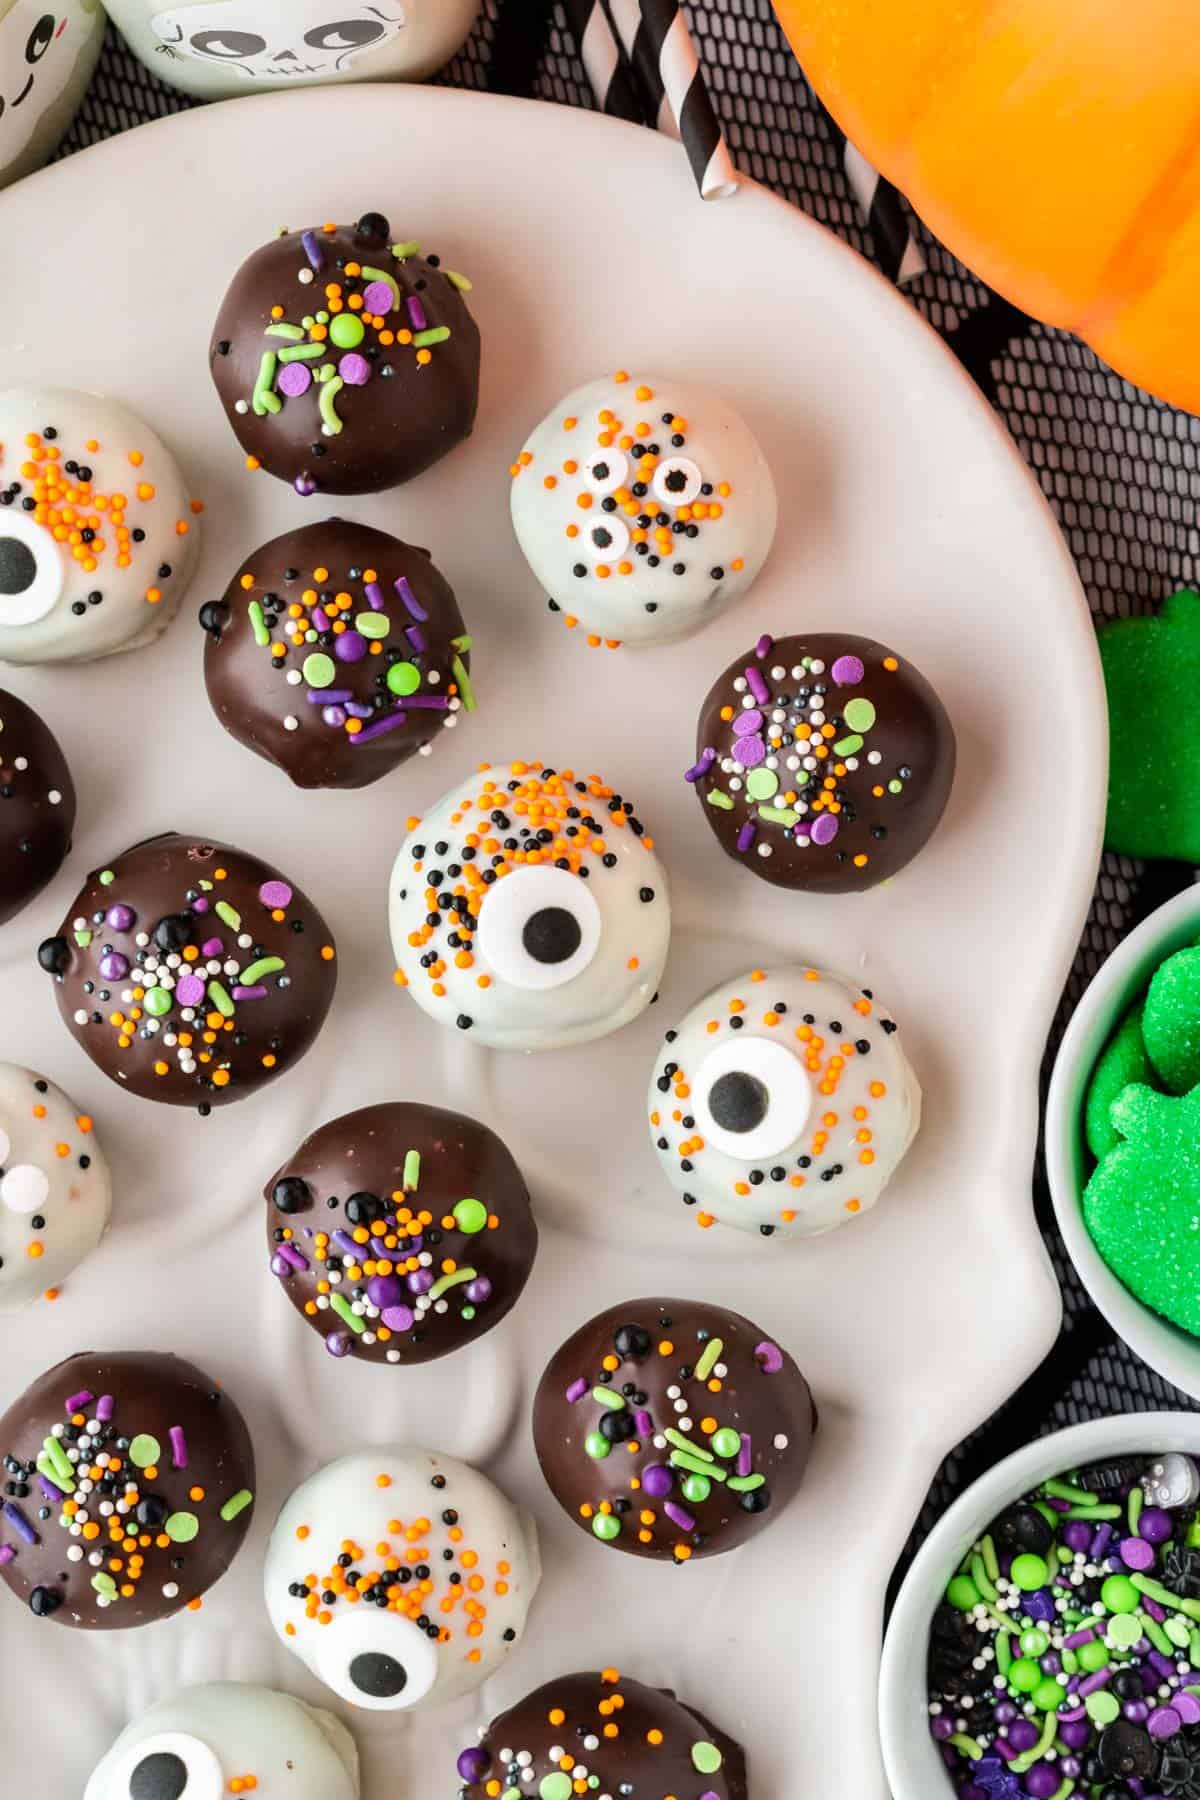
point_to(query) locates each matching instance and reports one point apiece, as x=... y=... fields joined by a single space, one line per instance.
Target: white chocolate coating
x=791 y=1120
x=225 y=1731
x=41 y=1143
x=614 y=918
x=135 y=487
x=44 y=72
x=213 y=48
x=715 y=482
x=379 y=1657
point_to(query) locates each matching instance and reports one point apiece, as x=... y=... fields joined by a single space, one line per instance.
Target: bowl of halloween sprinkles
x=1046 y=1641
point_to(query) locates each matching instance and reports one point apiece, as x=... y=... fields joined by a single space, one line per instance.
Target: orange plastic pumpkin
x=1054 y=145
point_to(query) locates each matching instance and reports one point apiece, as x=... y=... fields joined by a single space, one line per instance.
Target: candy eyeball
x=528 y=907
x=644 y=507
x=55 y=1194
x=783 y=1103
x=206 y=1742
x=97 y=533
x=446 y=1568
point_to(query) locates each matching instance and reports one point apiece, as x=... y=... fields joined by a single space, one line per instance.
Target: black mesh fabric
x=1120 y=470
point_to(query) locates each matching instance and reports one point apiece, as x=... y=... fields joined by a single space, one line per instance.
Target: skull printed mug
x=218 y=48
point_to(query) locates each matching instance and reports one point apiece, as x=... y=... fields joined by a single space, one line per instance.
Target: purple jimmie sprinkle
x=212 y=947
x=410 y=600
x=49 y=1489
x=415 y=636
x=78 y=1401
x=764 y=646
x=104 y=1408
x=321 y=619
x=328 y=696
x=312 y=249
x=20 y=1523
x=292 y=1256
x=339 y=1343
x=249 y=993
x=757 y=685
x=701 y=767
x=1100 y=1679
x=416 y=313
x=346 y=1244
x=679 y=1515
x=432 y=702
x=389 y=723
x=747 y=835
x=576 y=1391
x=6 y=1553
x=745 y=1461
x=379 y=1248
x=374 y=594
x=644 y=1423
x=178 y=1447
x=358 y=711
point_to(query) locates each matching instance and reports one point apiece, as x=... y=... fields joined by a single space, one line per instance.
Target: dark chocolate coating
x=350 y=1175
x=150 y=1394
x=878 y=830
x=762 y=1396
x=626 y=1762
x=404 y=418
x=35 y=831
x=319 y=567
x=235 y=1042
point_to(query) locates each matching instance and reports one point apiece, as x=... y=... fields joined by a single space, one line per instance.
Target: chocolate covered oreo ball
x=605 y=1734
x=37 y=803
x=672 y=1428
x=823 y=762
x=337 y=653
x=347 y=362
x=55 y=1193
x=129 y=1489
x=644 y=506
x=192 y=972
x=400 y=1232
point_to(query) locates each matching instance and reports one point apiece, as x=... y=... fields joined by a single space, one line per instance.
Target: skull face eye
x=31 y=570
x=228 y=46
x=346 y=34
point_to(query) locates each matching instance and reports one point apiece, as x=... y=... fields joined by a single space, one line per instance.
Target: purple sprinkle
x=19 y=1522
x=346 y=1244
x=312 y=249
x=433 y=702
x=249 y=993
x=421 y=1280
x=104 y=1406
x=292 y=1256
x=769 y=1357
x=747 y=835
x=294 y=379
x=339 y=1343
x=78 y=1401
x=1137 y=1554
x=388 y=723
x=1164 y=1722
x=374 y=594
x=415 y=636
x=644 y=1423
x=178 y=1447
x=189 y=990
x=212 y=947
x=379 y=299
x=281 y=1268
x=1101 y=1539
x=354 y=369
x=385 y=1291
x=121 y=917
x=275 y=894
x=416 y=313
x=1100 y=1679
x=358 y=711
x=755 y=682
x=321 y=619
x=848 y=671
x=1154 y=1609
x=114 y=966
x=748 y=722
x=1188 y=1708
x=1076 y=1638
x=576 y=1391
x=749 y=752
x=328 y=696
x=410 y=600
x=764 y=647
x=1165 y=1667
x=473 y=1765
x=350 y=646
x=6 y=1553
x=745 y=1461
x=479 y=1290
x=50 y=1489
x=700 y=768
x=200 y=904
x=305 y=486
x=333 y=715
x=824 y=829
x=398 y=1318
x=379 y=1248
x=657 y=1480
x=679 y=1515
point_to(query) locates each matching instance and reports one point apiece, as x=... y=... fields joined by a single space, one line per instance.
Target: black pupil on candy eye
x=233 y=44
x=378 y=1675
x=347 y=34
x=600 y=471
x=738 y=1102
x=162 y=1776
x=676 y=480
x=601 y=537
x=18 y=566
x=551 y=935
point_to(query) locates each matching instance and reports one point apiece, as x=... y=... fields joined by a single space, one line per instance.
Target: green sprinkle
x=293 y=333
x=437 y=334
x=1091 y=1512
x=339 y=1304
x=230 y=914
x=762 y=784
x=329 y=418
x=319 y=670
x=715 y=797
x=264 y=401
x=706 y=1757
x=373 y=624
x=966 y=1746
x=559 y=1786
x=990 y=1560
x=158 y=1002
x=258 y=624
x=1003 y=1649
x=709 y=1358
x=236 y=1503
x=266 y=965
x=745 y=1484
x=1178 y=1632
x=685 y=1459
x=1064 y=1790
x=895 y=787
x=470 y=1216
x=1124 y=1631
x=445 y=1282
x=697 y=1488
x=982 y=1580
x=302 y=353
x=778 y=815
x=403 y=678
x=726 y=1442
x=1137 y=1500
x=848 y=746
x=326 y=372
x=104 y=1584
x=607 y=1527
x=1048 y=1703
x=347 y=331
x=412 y=1171
x=685 y=1443
x=1102 y=1708
x=107 y=877
x=220 y=999
x=962 y=1594
x=60 y=1460
x=83 y=939
x=182 y=1527
x=388 y=281
x=144 y=1451
x=1194 y=1648
x=1155 y=1633
x=401 y=251
x=464 y=642
x=606 y=1396
x=597 y=1446
x=459 y=281
x=859 y=715
x=466 y=691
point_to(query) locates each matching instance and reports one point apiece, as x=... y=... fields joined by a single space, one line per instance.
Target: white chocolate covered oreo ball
x=400 y=1577
x=228 y=1737
x=528 y=908
x=55 y=1194
x=783 y=1103
x=644 y=506
x=97 y=532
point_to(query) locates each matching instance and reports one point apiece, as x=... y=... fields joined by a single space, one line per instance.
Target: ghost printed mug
x=215 y=48
x=47 y=54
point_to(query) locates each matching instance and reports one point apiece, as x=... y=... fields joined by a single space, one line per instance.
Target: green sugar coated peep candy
x=1123 y=1061
x=1152 y=675
x=1141 y=1205
x=1171 y=1021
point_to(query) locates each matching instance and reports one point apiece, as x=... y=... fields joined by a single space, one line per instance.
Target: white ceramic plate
x=906 y=514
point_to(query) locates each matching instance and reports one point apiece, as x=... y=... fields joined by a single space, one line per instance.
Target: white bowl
x=1172 y=1353
x=913 y=1761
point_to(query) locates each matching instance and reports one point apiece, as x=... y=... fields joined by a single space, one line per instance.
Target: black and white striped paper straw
x=897 y=249
x=604 y=61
